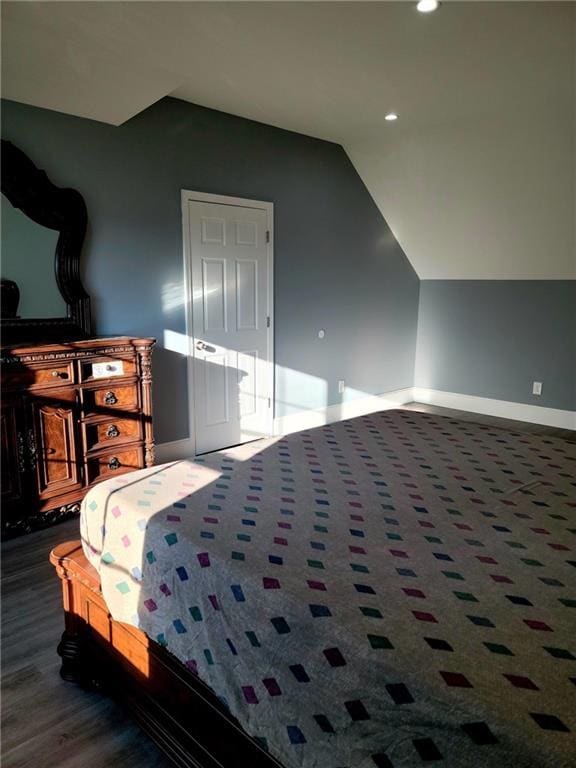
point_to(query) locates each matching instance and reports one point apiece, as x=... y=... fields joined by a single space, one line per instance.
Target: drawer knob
x=57 y=374
x=114 y=463
x=112 y=431
x=110 y=398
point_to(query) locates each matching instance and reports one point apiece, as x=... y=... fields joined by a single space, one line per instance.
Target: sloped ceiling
x=477 y=178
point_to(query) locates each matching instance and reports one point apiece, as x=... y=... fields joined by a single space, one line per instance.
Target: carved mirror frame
x=28 y=188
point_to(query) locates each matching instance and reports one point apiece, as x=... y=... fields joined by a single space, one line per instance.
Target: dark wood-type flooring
x=47 y=723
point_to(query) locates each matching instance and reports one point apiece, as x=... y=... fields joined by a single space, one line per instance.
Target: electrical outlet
x=536 y=387
x=341 y=386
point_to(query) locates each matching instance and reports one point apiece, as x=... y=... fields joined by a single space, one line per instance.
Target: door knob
x=200 y=345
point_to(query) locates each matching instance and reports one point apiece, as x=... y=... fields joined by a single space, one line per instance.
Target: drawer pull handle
x=110 y=398
x=112 y=431
x=114 y=463
x=58 y=375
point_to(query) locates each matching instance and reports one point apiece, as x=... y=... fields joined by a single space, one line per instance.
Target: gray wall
x=494 y=338
x=337 y=265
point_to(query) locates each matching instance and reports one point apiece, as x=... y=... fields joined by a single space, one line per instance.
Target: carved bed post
x=74 y=667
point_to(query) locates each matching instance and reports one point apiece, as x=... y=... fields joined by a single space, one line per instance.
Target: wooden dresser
x=73 y=414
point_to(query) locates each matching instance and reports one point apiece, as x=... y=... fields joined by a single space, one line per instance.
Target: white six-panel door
x=230 y=273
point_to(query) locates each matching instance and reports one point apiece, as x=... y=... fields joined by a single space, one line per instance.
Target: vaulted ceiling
x=477 y=177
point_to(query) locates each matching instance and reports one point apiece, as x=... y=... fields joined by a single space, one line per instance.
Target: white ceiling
x=477 y=178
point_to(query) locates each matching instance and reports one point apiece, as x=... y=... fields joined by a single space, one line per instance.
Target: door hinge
x=267 y=235
x=268 y=321
x=269 y=402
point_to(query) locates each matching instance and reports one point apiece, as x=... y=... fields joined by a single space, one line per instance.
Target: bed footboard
x=169 y=702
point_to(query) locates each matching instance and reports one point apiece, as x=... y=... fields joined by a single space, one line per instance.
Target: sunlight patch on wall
x=298 y=391
x=177 y=342
x=172 y=297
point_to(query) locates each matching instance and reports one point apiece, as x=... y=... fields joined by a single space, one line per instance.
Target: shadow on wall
x=170 y=396
x=295 y=391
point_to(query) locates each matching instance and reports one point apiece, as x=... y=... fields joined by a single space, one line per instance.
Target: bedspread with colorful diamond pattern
x=385 y=592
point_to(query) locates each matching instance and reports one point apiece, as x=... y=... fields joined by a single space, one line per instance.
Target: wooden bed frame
x=179 y=712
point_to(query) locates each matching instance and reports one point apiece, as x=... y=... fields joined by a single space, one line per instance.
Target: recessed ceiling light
x=427 y=6
x=391 y=116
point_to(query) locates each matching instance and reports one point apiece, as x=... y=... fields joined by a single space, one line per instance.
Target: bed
x=383 y=592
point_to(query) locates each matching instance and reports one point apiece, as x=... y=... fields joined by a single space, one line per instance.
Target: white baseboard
x=536 y=414
x=317 y=417
x=177 y=449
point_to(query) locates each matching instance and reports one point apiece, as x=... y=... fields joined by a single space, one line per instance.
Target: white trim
x=188 y=322
x=535 y=414
x=271 y=352
x=317 y=417
x=188 y=196
x=177 y=449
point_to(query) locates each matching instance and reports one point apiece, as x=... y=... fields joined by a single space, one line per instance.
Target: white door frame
x=189 y=196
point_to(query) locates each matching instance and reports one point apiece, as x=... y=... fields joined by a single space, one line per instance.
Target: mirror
x=43 y=228
x=28 y=260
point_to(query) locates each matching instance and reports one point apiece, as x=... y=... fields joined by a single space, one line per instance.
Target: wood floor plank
x=45 y=721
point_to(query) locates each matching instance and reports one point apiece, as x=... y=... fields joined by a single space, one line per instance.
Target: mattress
x=384 y=592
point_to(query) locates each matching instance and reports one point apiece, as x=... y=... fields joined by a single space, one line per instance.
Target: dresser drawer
x=114 y=463
x=38 y=377
x=118 y=367
x=106 y=434
x=112 y=397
